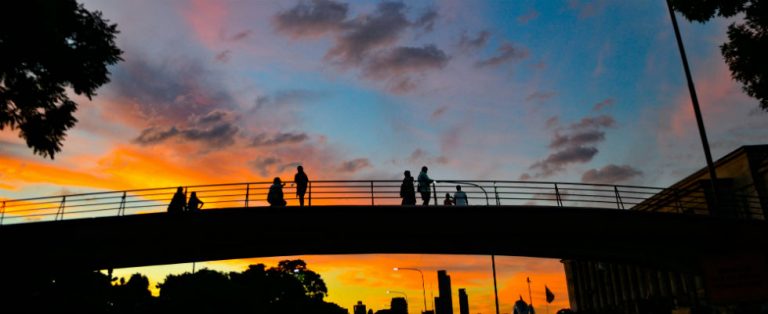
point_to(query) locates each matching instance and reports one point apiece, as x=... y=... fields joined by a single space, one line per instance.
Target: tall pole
x=530 y=297
x=423 y=289
x=695 y=102
x=495 y=290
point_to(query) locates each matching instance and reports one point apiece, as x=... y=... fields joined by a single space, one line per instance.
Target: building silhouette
x=444 y=301
x=399 y=306
x=359 y=308
x=601 y=286
x=463 y=301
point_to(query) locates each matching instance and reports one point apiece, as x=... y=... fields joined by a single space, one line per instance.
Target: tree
x=747 y=42
x=48 y=48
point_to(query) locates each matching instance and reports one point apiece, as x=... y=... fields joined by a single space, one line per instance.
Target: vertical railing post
x=372 y=196
x=121 y=208
x=60 y=211
x=2 y=213
x=310 y=193
x=557 y=197
x=496 y=192
x=619 y=202
x=434 y=191
x=247 y=193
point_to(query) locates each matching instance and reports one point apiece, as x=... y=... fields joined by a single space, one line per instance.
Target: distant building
x=399 y=306
x=444 y=302
x=597 y=286
x=359 y=308
x=463 y=301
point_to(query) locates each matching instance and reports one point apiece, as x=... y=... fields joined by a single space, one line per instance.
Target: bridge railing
x=374 y=193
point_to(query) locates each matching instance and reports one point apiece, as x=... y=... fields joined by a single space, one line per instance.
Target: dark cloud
x=607 y=103
x=506 y=53
x=367 y=41
x=286 y=97
x=264 y=139
x=467 y=43
x=610 y=174
x=311 y=19
x=557 y=161
x=400 y=62
x=155 y=135
x=367 y=32
x=169 y=91
x=224 y=56
x=354 y=165
x=215 y=116
x=573 y=144
x=427 y=19
x=605 y=121
x=219 y=135
x=540 y=96
x=241 y=35
x=588 y=137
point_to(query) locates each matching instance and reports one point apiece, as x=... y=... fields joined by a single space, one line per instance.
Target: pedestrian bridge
x=640 y=225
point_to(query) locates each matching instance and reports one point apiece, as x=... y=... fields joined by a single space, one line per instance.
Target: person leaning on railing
x=195 y=204
x=424 y=182
x=275 y=195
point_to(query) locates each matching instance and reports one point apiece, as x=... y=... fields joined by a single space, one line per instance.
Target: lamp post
x=695 y=103
x=398 y=292
x=423 y=290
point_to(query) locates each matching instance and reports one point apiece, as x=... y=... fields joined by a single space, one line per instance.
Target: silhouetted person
x=424 y=182
x=407 y=191
x=178 y=202
x=448 y=201
x=275 y=196
x=195 y=204
x=301 y=184
x=460 y=198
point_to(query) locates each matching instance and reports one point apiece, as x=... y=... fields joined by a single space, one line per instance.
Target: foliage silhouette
x=747 y=41
x=46 y=48
x=288 y=288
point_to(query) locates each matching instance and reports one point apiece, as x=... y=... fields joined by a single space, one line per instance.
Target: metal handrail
x=371 y=193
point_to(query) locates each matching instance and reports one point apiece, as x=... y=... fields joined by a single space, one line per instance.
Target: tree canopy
x=747 y=40
x=47 y=49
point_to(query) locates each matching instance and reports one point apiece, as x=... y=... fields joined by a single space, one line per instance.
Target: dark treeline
x=288 y=288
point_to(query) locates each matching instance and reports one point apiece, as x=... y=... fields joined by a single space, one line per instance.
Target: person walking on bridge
x=178 y=202
x=301 y=181
x=407 y=191
x=424 y=182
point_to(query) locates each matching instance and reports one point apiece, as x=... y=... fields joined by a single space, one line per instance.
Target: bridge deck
x=554 y=232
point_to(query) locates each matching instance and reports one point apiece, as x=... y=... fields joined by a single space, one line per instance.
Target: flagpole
x=495 y=290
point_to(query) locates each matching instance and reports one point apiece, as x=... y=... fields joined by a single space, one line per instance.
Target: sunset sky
x=235 y=91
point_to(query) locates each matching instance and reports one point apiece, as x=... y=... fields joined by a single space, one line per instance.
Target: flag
x=550 y=295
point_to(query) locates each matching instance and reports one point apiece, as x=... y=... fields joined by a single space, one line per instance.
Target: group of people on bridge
x=275 y=195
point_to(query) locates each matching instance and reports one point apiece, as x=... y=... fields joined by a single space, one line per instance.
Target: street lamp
x=398 y=292
x=423 y=290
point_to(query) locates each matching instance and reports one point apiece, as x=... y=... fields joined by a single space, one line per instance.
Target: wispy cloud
x=505 y=53
x=311 y=19
x=610 y=174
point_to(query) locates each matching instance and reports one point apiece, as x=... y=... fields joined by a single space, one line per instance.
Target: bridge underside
x=666 y=240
